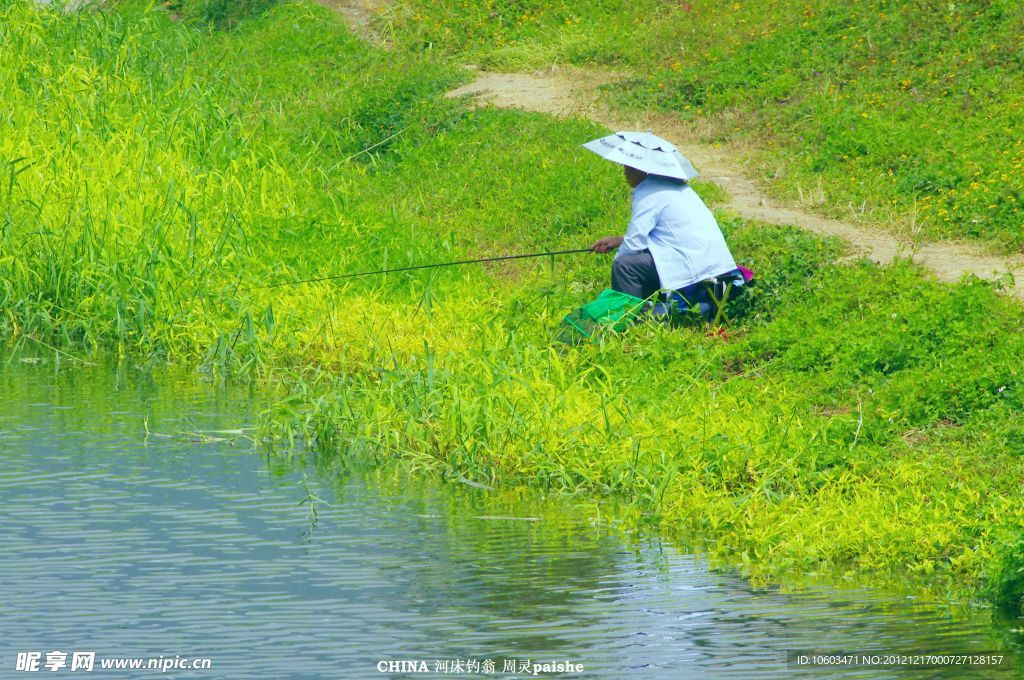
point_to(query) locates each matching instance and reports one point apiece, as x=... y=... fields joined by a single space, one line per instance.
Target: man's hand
x=606 y=244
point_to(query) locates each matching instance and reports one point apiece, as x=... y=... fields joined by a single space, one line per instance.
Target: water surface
x=128 y=533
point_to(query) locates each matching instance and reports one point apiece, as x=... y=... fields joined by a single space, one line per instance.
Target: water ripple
x=130 y=547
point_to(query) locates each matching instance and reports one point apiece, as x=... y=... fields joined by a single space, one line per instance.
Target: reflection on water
x=137 y=545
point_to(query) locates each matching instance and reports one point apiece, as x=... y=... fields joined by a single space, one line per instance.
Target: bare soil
x=359 y=14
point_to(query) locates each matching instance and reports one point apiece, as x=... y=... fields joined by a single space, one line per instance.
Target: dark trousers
x=635 y=275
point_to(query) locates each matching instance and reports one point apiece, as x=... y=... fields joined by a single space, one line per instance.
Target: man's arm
x=606 y=244
x=644 y=217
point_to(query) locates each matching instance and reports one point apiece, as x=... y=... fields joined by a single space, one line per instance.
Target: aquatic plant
x=1005 y=586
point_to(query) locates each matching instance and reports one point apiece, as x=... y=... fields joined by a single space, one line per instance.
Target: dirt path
x=359 y=14
x=574 y=92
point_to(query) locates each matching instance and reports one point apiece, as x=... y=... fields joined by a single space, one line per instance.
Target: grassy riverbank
x=156 y=176
x=905 y=115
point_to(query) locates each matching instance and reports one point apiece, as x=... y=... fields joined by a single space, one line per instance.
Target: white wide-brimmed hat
x=644 y=151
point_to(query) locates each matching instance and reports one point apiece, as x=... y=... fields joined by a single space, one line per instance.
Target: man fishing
x=672 y=242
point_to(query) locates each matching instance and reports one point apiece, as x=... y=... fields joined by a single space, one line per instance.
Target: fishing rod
x=422 y=266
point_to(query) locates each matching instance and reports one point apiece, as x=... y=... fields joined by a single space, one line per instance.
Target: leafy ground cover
x=157 y=178
x=903 y=114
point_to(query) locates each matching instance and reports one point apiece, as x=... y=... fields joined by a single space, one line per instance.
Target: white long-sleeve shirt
x=671 y=221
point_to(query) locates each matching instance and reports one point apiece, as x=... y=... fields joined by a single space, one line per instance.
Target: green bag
x=611 y=310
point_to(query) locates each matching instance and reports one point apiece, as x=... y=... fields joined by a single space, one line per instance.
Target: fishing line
x=420 y=266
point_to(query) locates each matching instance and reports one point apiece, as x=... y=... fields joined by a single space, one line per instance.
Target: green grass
x=904 y=115
x=218 y=14
x=156 y=175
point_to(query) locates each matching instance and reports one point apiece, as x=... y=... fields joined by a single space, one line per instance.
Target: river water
x=129 y=535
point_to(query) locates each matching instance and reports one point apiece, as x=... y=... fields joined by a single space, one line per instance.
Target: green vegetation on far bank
x=218 y=14
x=909 y=115
x=154 y=176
